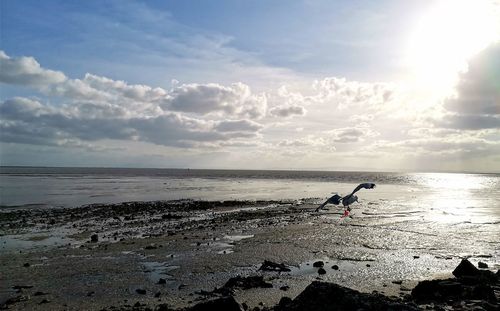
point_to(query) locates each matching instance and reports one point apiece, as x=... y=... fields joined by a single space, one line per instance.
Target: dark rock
x=162 y=281
x=272 y=266
x=368 y=265
x=284 y=303
x=322 y=296
x=222 y=304
x=482 y=265
x=247 y=282
x=151 y=246
x=416 y=257
x=398 y=282
x=284 y=288
x=321 y=271
x=444 y=290
x=141 y=291
x=318 y=264
x=94 y=238
x=335 y=267
x=465 y=268
x=158 y=294
x=27 y=265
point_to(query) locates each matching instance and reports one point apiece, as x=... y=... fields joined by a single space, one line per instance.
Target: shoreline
x=196 y=246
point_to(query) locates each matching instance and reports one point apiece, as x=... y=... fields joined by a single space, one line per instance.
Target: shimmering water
x=447 y=197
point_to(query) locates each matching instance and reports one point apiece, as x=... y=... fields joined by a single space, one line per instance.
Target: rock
x=318 y=264
x=284 y=303
x=465 y=268
x=444 y=290
x=94 y=238
x=335 y=267
x=416 y=257
x=322 y=296
x=158 y=294
x=482 y=265
x=368 y=265
x=247 y=282
x=272 y=266
x=27 y=265
x=141 y=291
x=321 y=271
x=44 y=301
x=222 y=304
x=151 y=246
x=398 y=282
x=162 y=281
x=284 y=288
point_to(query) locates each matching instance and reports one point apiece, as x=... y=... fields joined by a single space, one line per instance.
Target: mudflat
x=179 y=254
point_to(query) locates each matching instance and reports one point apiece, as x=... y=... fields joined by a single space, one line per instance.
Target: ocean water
x=449 y=196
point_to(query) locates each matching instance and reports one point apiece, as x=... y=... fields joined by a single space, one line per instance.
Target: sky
x=311 y=84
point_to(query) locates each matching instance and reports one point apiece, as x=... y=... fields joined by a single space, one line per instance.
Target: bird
x=348 y=199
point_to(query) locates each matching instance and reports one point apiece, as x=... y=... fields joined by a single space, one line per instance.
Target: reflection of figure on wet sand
x=347 y=200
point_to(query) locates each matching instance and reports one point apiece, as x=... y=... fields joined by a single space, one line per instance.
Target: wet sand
x=196 y=246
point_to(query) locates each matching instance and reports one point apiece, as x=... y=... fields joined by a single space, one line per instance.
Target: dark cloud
x=28 y=121
x=288 y=111
x=476 y=104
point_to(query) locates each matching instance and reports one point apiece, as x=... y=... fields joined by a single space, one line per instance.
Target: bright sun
x=449 y=34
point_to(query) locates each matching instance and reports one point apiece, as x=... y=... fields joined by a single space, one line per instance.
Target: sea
x=455 y=196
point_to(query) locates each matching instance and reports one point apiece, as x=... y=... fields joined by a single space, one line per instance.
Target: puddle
x=160 y=270
x=224 y=245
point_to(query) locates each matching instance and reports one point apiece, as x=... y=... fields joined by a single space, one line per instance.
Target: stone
x=482 y=265
x=321 y=271
x=335 y=267
x=323 y=296
x=466 y=268
x=224 y=303
x=162 y=281
x=141 y=291
x=94 y=238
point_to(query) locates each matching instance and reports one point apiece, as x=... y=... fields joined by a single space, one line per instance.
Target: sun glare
x=445 y=37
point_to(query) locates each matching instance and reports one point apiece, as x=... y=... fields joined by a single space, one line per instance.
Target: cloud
x=351 y=134
x=351 y=94
x=25 y=120
x=476 y=104
x=287 y=111
x=235 y=99
x=238 y=126
x=27 y=71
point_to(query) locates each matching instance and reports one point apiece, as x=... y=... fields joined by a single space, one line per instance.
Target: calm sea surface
x=458 y=195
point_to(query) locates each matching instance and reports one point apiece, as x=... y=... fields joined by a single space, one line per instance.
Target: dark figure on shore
x=347 y=200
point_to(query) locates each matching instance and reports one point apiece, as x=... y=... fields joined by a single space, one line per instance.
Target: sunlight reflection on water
x=460 y=197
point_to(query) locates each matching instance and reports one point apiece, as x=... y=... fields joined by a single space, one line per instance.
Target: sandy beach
x=175 y=253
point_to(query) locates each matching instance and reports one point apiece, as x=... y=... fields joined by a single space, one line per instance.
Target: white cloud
x=235 y=99
x=27 y=71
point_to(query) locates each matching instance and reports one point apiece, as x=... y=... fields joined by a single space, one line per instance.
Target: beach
x=174 y=253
